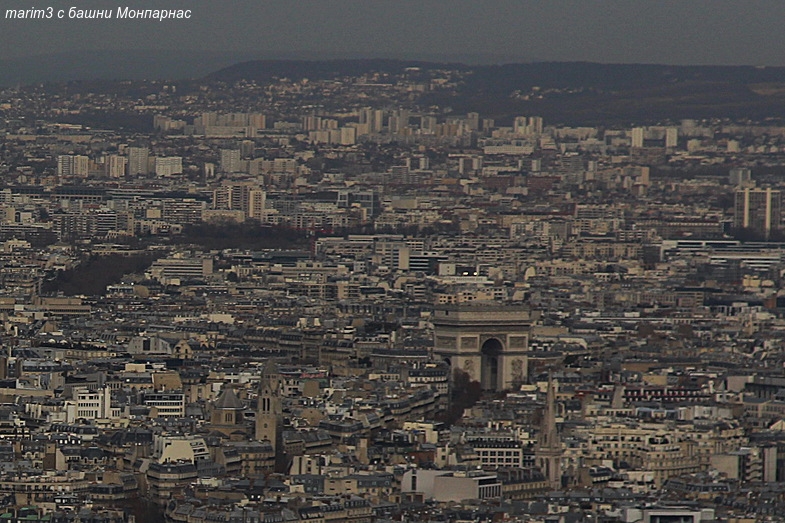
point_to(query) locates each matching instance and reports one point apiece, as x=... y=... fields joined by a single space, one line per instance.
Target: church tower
x=549 y=451
x=269 y=414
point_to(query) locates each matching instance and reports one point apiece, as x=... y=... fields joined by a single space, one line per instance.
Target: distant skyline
x=702 y=32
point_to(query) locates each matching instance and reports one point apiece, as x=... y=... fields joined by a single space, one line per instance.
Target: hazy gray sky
x=653 y=31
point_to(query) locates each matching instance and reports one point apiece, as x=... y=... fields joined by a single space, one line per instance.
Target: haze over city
x=716 y=32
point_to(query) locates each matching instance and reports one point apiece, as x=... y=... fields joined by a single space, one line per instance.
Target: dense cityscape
x=338 y=298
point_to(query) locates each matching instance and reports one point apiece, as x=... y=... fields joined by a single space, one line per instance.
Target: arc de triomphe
x=489 y=342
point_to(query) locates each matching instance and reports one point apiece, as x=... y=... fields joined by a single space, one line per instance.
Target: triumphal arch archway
x=489 y=342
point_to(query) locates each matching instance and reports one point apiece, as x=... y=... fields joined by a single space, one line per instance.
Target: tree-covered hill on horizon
x=570 y=93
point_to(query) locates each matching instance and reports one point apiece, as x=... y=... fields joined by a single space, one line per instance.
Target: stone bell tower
x=269 y=413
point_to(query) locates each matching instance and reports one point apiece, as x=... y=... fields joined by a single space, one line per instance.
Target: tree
x=464 y=395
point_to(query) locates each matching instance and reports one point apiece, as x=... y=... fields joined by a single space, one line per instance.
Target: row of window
x=516 y=453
